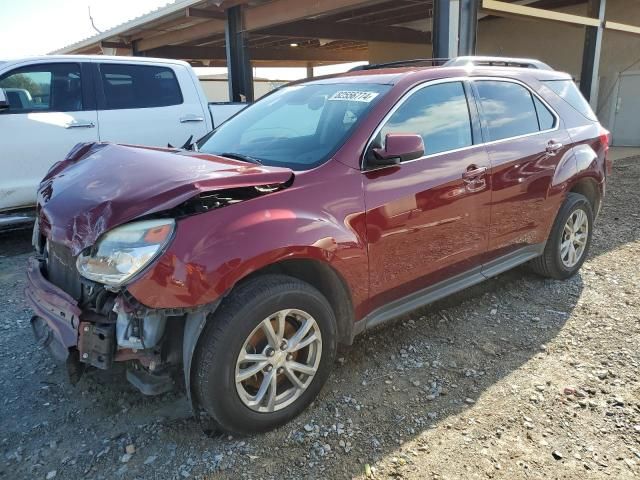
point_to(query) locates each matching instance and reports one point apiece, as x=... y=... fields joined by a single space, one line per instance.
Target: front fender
x=211 y=252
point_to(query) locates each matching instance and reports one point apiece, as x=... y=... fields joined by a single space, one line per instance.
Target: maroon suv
x=327 y=208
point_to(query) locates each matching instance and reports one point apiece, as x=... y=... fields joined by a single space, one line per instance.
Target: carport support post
x=468 y=27
x=238 y=62
x=591 y=53
x=445 y=28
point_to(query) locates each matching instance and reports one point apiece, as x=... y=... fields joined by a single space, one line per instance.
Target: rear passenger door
x=145 y=105
x=525 y=140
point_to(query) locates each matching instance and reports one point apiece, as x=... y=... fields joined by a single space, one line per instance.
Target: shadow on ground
x=394 y=384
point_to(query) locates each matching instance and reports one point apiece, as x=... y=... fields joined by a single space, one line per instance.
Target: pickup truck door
x=52 y=108
x=147 y=104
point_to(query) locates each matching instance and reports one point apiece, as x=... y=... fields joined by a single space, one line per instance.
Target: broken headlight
x=124 y=251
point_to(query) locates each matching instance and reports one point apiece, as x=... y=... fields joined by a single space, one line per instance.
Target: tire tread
x=218 y=327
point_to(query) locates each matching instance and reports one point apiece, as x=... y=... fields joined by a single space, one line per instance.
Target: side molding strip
x=445 y=288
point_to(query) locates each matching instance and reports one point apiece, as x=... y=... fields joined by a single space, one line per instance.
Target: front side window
x=43 y=88
x=439 y=113
x=138 y=86
x=299 y=126
x=508 y=109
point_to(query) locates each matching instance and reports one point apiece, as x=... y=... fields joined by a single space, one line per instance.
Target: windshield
x=298 y=127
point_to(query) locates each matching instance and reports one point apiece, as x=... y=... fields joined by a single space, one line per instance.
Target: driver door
x=428 y=219
x=50 y=111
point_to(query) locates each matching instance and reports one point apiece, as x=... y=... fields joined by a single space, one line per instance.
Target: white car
x=49 y=104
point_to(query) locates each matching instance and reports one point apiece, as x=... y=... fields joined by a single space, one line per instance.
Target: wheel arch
x=326 y=279
x=588 y=187
x=322 y=276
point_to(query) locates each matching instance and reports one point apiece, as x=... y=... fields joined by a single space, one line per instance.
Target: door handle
x=553 y=147
x=79 y=124
x=474 y=179
x=473 y=173
x=191 y=118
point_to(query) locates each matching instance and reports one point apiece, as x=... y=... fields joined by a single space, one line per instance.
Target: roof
x=282 y=32
x=156 y=14
x=394 y=75
x=279 y=32
x=101 y=58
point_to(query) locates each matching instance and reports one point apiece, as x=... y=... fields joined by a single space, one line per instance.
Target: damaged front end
x=105 y=214
x=83 y=324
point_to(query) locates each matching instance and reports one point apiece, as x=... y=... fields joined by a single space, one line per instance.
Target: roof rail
x=402 y=63
x=497 y=62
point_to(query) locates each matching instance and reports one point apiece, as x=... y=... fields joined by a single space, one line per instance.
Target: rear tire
x=569 y=241
x=257 y=329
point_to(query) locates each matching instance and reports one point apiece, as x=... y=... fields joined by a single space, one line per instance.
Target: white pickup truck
x=50 y=103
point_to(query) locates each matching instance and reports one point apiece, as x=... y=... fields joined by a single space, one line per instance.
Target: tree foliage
x=22 y=81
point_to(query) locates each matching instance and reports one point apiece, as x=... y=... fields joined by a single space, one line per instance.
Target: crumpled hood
x=102 y=185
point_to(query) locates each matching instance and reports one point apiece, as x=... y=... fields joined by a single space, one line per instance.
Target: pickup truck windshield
x=298 y=127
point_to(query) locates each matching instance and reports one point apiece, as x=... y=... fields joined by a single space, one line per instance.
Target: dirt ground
x=520 y=377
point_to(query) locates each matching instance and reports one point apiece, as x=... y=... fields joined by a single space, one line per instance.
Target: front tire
x=265 y=354
x=569 y=241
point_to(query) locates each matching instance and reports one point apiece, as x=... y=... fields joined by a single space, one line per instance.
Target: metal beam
x=622 y=27
x=183 y=35
x=134 y=49
x=115 y=45
x=237 y=52
x=445 y=28
x=262 y=16
x=285 y=11
x=591 y=52
x=504 y=9
x=315 y=55
x=202 y=13
x=468 y=27
x=347 y=31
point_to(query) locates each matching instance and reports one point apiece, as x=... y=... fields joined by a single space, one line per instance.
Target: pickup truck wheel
x=569 y=241
x=265 y=354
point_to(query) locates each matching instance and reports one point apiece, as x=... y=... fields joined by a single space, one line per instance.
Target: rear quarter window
x=139 y=86
x=568 y=91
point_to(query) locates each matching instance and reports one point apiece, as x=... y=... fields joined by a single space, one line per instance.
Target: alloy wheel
x=574 y=238
x=278 y=360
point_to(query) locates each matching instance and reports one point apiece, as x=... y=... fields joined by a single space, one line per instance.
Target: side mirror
x=4 y=101
x=398 y=147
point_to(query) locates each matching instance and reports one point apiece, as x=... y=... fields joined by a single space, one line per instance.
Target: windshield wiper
x=239 y=156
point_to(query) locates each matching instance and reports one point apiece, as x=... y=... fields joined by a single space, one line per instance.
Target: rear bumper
x=58 y=309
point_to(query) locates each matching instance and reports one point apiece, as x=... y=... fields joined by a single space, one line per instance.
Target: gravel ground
x=520 y=377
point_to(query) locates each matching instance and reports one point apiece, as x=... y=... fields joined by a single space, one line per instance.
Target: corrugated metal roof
x=156 y=14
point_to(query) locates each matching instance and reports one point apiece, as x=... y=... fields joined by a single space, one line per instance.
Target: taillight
x=605 y=140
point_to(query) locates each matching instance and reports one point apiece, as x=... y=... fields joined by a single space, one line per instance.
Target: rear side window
x=139 y=86
x=439 y=113
x=508 y=109
x=568 y=91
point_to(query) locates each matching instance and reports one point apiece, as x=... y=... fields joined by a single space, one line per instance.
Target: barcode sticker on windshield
x=353 y=96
